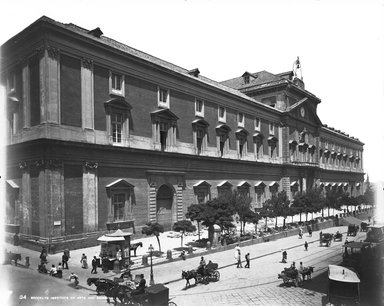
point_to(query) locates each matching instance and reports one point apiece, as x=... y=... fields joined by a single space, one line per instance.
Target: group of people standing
x=238 y=258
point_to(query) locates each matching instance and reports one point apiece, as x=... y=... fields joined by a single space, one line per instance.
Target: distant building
x=103 y=136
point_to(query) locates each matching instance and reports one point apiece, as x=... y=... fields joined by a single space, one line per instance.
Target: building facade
x=103 y=136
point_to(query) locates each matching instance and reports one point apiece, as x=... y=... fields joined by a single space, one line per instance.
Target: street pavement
x=255 y=286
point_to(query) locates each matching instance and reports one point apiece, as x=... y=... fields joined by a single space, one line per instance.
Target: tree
x=194 y=213
x=299 y=203
x=153 y=229
x=217 y=211
x=331 y=199
x=267 y=211
x=242 y=206
x=281 y=206
x=183 y=226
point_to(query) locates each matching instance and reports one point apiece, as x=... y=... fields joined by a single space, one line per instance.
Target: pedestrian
x=53 y=271
x=64 y=260
x=238 y=258
x=75 y=277
x=43 y=255
x=306 y=246
x=247 y=259
x=301 y=271
x=83 y=261
x=94 y=265
x=284 y=260
x=300 y=233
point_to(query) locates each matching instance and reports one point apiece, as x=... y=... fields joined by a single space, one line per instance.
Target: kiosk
x=115 y=247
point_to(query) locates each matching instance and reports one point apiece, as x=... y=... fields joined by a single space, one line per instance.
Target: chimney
x=96 y=32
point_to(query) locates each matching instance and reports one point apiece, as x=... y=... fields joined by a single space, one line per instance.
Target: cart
x=290 y=275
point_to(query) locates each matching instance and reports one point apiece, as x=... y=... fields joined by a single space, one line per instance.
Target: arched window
x=241 y=142
x=200 y=135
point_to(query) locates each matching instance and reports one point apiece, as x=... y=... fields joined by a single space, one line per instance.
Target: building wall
x=70 y=196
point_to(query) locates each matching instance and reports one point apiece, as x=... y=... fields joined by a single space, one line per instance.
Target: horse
x=102 y=284
x=118 y=291
x=307 y=271
x=134 y=247
x=13 y=256
x=187 y=275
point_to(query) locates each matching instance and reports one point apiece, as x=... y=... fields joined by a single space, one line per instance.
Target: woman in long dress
x=83 y=261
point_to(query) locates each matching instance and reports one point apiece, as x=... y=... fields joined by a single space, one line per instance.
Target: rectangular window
x=199 y=108
x=163 y=97
x=222 y=114
x=199 y=140
x=271 y=128
x=116 y=83
x=117 y=127
x=240 y=119
x=118 y=203
x=257 y=124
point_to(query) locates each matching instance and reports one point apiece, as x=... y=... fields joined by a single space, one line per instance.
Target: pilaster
x=26 y=100
x=49 y=86
x=87 y=97
x=51 y=198
x=90 y=199
x=152 y=202
x=25 y=206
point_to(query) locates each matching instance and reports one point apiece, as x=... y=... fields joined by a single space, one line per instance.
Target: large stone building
x=102 y=136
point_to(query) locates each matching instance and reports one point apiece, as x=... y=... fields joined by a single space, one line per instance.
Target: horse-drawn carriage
x=155 y=295
x=338 y=236
x=290 y=275
x=326 y=238
x=352 y=230
x=202 y=274
x=295 y=276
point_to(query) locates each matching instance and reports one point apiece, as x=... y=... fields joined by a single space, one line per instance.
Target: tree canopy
x=153 y=228
x=183 y=226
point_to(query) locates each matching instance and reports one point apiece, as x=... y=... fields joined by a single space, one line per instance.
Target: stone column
x=90 y=198
x=25 y=206
x=49 y=86
x=87 y=98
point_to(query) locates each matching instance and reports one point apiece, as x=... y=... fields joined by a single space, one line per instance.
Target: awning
x=328 y=184
x=105 y=238
x=342 y=274
x=118 y=233
x=334 y=184
x=345 y=184
x=274 y=183
x=358 y=185
x=295 y=183
x=258 y=135
x=200 y=122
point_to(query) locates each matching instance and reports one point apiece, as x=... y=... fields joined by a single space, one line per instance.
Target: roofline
x=356 y=140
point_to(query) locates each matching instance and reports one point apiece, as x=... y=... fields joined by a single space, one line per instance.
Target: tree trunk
x=182 y=234
x=300 y=216
x=283 y=223
x=322 y=212
x=210 y=233
x=306 y=217
x=158 y=242
x=266 y=223
x=276 y=222
x=198 y=229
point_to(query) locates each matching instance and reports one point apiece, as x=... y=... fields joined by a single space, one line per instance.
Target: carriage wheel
x=172 y=304
x=216 y=275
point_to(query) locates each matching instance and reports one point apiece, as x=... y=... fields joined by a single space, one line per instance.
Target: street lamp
x=150 y=249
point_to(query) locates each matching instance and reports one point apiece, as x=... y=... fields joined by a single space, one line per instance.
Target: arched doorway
x=164 y=201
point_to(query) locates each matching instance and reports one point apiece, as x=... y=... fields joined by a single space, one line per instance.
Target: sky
x=340 y=45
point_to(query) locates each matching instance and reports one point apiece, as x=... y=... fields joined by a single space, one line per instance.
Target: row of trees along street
x=234 y=206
